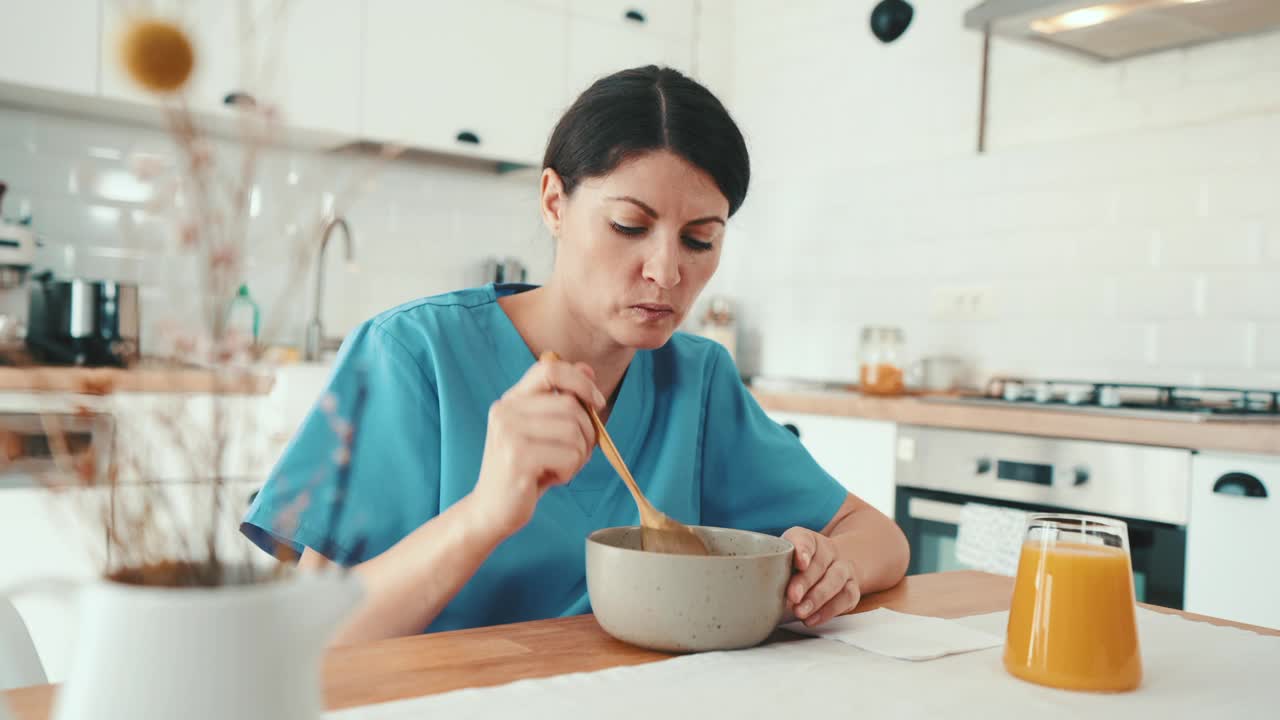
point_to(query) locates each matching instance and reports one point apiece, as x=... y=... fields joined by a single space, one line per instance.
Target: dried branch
x=148 y=538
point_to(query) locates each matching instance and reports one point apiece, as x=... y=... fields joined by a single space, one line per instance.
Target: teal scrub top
x=410 y=392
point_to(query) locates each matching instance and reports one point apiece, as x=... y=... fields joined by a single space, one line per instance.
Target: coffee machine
x=60 y=321
x=82 y=322
x=17 y=253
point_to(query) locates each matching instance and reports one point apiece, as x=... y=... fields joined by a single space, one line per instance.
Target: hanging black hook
x=890 y=18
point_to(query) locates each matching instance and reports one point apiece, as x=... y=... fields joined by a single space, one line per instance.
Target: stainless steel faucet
x=316 y=342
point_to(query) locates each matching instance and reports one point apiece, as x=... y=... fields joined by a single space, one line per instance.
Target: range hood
x=1120 y=29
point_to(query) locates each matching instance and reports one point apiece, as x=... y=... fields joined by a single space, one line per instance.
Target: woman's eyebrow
x=627 y=198
x=654 y=213
x=705 y=220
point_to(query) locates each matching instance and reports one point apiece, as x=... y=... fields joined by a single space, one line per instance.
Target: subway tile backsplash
x=1124 y=221
x=1124 y=224
x=1189 y=296
x=420 y=227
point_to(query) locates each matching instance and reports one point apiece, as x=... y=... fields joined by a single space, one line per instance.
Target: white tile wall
x=1126 y=219
x=1269 y=346
x=1221 y=243
x=1205 y=344
x=420 y=228
x=1156 y=295
x=1243 y=295
x=1273 y=244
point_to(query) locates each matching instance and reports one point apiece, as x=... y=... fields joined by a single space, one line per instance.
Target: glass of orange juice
x=1072 y=624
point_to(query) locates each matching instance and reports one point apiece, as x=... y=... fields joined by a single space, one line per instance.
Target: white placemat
x=903 y=636
x=1192 y=670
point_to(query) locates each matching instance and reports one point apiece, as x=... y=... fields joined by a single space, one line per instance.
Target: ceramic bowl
x=731 y=599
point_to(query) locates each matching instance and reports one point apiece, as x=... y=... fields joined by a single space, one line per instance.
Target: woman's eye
x=627 y=229
x=696 y=244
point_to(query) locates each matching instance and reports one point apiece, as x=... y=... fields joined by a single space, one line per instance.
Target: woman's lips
x=652 y=312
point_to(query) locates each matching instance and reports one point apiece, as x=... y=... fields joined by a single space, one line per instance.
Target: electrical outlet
x=963 y=302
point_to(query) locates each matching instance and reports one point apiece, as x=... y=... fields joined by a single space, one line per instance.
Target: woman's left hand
x=824 y=585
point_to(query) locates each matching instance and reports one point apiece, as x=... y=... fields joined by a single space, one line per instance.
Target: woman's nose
x=662 y=267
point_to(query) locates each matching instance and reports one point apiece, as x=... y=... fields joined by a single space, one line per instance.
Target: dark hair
x=636 y=111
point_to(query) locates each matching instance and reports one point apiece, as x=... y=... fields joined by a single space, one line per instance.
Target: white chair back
x=19 y=662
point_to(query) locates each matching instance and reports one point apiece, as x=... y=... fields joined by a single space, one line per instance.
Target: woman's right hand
x=538 y=436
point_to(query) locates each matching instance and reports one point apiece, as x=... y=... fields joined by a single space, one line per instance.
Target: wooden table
x=429 y=664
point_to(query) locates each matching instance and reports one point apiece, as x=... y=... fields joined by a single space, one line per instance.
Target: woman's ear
x=553 y=201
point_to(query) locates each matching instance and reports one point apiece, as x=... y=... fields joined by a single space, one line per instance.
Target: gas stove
x=1166 y=402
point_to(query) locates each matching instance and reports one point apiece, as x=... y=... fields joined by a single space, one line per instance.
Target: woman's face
x=636 y=246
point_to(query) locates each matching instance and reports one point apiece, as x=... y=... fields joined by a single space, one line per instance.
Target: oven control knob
x=983 y=466
x=1081 y=475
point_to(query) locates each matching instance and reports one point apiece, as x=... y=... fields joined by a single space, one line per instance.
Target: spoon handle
x=615 y=459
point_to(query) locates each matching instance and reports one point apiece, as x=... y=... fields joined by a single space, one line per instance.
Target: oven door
x=53 y=448
x=931 y=521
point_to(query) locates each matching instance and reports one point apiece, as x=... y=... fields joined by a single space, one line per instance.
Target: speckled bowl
x=681 y=603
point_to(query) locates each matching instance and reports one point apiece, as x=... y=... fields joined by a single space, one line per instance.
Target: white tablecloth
x=1192 y=670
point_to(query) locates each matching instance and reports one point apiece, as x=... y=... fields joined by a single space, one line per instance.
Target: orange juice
x=1072 y=624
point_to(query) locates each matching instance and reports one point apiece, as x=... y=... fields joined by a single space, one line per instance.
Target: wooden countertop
x=440 y=662
x=104 y=381
x=1221 y=435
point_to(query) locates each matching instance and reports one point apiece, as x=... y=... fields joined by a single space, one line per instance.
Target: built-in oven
x=940 y=470
x=46 y=447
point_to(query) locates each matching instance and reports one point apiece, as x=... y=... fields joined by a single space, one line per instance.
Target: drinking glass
x=1072 y=624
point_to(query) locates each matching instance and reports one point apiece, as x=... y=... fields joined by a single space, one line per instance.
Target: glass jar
x=881 y=362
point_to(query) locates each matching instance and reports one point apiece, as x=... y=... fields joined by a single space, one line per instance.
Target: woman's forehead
x=664 y=181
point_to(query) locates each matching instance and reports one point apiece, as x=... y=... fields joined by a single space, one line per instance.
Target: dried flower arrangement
x=152 y=539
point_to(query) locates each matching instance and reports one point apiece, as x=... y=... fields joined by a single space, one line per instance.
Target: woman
x=466 y=479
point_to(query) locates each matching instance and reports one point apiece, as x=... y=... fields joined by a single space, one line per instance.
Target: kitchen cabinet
x=47 y=535
x=1232 y=538
x=484 y=78
x=318 y=84
x=605 y=37
x=859 y=453
x=184 y=515
x=169 y=437
x=50 y=45
x=307 y=59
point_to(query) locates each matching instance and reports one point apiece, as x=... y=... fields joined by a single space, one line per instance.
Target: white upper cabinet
x=50 y=44
x=318 y=83
x=606 y=37
x=483 y=78
x=305 y=60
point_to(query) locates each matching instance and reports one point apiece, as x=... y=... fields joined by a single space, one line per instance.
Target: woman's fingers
x=810 y=573
x=540 y=409
x=828 y=586
x=842 y=602
x=552 y=376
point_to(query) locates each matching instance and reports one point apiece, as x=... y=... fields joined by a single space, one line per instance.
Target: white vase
x=235 y=651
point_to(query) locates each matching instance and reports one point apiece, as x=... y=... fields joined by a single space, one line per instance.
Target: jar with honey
x=881 y=362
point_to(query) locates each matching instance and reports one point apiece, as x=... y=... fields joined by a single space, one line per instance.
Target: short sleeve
x=755 y=473
x=363 y=469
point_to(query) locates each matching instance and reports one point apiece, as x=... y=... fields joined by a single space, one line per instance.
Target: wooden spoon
x=658 y=533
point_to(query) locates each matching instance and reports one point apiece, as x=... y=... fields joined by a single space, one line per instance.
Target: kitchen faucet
x=316 y=342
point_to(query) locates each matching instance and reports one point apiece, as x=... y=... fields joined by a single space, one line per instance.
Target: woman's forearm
x=407 y=586
x=873 y=543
